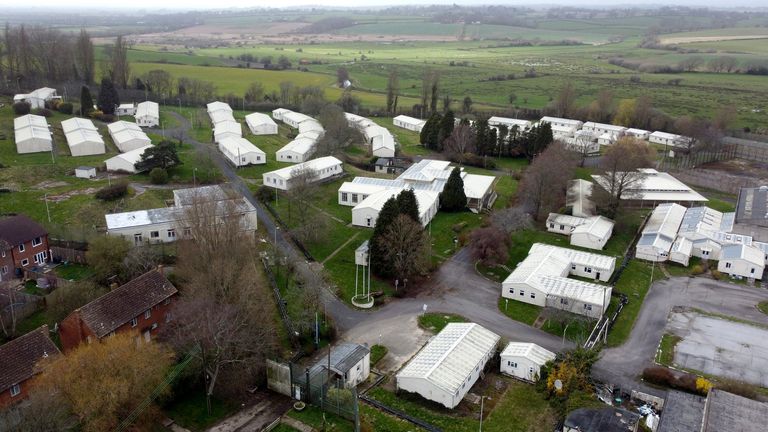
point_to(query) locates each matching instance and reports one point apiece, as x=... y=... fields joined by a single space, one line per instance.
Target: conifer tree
x=86 y=101
x=380 y=265
x=453 y=197
x=408 y=205
x=108 y=98
x=446 y=128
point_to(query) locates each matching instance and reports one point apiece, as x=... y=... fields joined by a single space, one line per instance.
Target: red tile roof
x=110 y=311
x=19 y=356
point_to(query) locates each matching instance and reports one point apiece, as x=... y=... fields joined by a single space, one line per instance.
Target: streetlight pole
x=482 y=398
x=47 y=210
x=194 y=177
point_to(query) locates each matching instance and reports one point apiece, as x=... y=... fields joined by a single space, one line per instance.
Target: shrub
x=45 y=112
x=109 y=193
x=158 y=176
x=265 y=194
x=697 y=269
x=658 y=375
x=738 y=387
x=716 y=274
x=95 y=114
x=22 y=108
x=703 y=385
x=66 y=108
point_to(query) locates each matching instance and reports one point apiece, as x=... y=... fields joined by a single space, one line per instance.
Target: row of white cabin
x=591 y=232
x=228 y=134
x=223 y=122
x=452 y=361
x=675 y=233
x=168 y=224
x=304 y=144
x=379 y=138
x=542 y=279
x=427 y=179
x=314 y=170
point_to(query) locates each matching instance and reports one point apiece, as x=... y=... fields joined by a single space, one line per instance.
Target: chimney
x=160 y=269
x=113 y=286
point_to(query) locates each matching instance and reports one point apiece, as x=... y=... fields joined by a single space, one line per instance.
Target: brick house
x=23 y=244
x=142 y=305
x=19 y=360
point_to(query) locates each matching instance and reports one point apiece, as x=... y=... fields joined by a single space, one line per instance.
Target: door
x=597 y=275
x=147 y=336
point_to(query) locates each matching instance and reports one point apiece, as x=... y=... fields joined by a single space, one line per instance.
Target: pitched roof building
x=23 y=243
x=19 y=362
x=141 y=305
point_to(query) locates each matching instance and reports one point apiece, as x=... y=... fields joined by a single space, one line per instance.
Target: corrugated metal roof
x=656 y=186
x=747 y=253
x=240 y=145
x=259 y=119
x=218 y=106
x=451 y=356
x=314 y=164
x=147 y=109
x=598 y=226
x=30 y=120
x=531 y=351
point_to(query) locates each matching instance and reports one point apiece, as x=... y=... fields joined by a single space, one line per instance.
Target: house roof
x=295 y=117
x=218 y=106
x=310 y=125
x=82 y=136
x=752 y=206
x=656 y=186
x=636 y=132
x=132 y=156
x=317 y=164
x=563 y=219
x=598 y=226
x=683 y=412
x=530 y=351
x=751 y=254
x=569 y=122
x=76 y=123
x=602 y=420
x=240 y=145
x=19 y=229
x=662 y=226
x=148 y=109
x=666 y=135
x=606 y=127
x=119 y=306
x=451 y=356
x=122 y=125
x=477 y=186
x=259 y=119
x=410 y=120
x=301 y=146
x=376 y=201
x=19 y=357
x=509 y=122
x=221 y=116
x=32 y=132
x=727 y=412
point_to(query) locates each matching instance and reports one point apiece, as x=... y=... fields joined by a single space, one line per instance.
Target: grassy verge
x=676 y=269
x=319 y=420
x=435 y=322
x=763 y=307
x=189 y=410
x=284 y=428
x=519 y=311
x=666 y=353
x=634 y=283
x=377 y=353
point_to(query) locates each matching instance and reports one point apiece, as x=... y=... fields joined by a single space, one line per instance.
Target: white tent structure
x=449 y=364
x=221 y=116
x=37 y=98
x=32 y=134
x=261 y=124
x=655 y=187
x=147 y=114
x=366 y=213
x=542 y=279
x=126 y=161
x=297 y=151
x=659 y=232
x=227 y=129
x=83 y=137
x=241 y=152
x=524 y=360
x=127 y=136
x=315 y=170
x=409 y=123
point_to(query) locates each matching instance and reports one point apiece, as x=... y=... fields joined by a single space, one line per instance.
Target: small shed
x=241 y=152
x=126 y=109
x=594 y=233
x=85 y=172
x=351 y=362
x=261 y=124
x=148 y=114
x=524 y=360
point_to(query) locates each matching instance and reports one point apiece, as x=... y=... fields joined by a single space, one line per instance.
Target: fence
x=291 y=237
x=716 y=180
x=289 y=326
x=397 y=413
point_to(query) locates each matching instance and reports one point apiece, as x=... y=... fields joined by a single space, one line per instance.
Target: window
x=154 y=234
x=562 y=227
x=727 y=265
x=344 y=196
x=15 y=390
x=24 y=262
x=137 y=239
x=147 y=313
x=41 y=257
x=705 y=252
x=563 y=301
x=512 y=364
x=168 y=317
x=573 y=267
x=522 y=293
x=134 y=322
x=368 y=221
x=172 y=233
x=2 y=254
x=588 y=307
x=511 y=290
x=21 y=247
x=551 y=225
x=5 y=270
x=752 y=271
x=354 y=198
x=533 y=295
x=588 y=269
x=37 y=241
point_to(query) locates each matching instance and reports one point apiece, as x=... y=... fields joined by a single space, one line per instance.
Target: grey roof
x=683 y=412
x=602 y=420
x=752 y=207
x=727 y=412
x=343 y=358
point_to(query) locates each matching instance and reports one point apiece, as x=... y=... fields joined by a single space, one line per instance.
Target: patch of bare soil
x=741 y=168
x=49 y=184
x=693 y=39
x=67 y=195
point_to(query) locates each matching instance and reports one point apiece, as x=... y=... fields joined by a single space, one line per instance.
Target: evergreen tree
x=446 y=128
x=86 y=101
x=408 y=205
x=430 y=131
x=380 y=265
x=162 y=156
x=453 y=197
x=108 y=98
x=483 y=134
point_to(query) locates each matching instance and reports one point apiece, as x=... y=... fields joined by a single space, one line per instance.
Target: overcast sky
x=207 y=4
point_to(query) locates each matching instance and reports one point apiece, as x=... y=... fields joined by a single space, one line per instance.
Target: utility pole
x=47 y=210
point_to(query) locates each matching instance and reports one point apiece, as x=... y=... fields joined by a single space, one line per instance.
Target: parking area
x=720 y=347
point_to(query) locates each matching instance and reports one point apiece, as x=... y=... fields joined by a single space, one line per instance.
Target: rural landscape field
x=439 y=217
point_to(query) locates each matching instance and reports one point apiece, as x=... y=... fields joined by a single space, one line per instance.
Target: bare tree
x=724 y=117
x=39 y=412
x=602 y=108
x=85 y=60
x=159 y=81
x=139 y=260
x=338 y=133
x=489 y=245
x=690 y=64
x=545 y=183
x=619 y=166
x=511 y=219
x=302 y=192
x=119 y=68
x=406 y=246
x=461 y=141
x=393 y=90
x=565 y=101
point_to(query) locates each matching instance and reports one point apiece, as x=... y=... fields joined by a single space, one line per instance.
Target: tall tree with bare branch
x=85 y=60
x=545 y=182
x=619 y=166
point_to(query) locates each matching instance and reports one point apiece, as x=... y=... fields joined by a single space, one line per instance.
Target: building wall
x=147 y=121
x=591 y=272
x=29 y=253
x=352 y=199
x=146 y=231
x=679 y=258
x=740 y=267
x=249 y=158
x=73 y=332
x=526 y=369
x=589 y=241
x=33 y=145
x=650 y=253
x=263 y=129
x=359 y=372
x=529 y=295
x=404 y=125
x=119 y=164
x=6 y=399
x=87 y=148
x=364 y=217
x=559 y=228
x=274 y=181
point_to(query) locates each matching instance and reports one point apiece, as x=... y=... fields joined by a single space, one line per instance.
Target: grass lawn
x=519 y=311
x=189 y=410
x=676 y=269
x=435 y=322
x=284 y=428
x=315 y=417
x=763 y=307
x=634 y=282
x=666 y=353
x=73 y=271
x=445 y=228
x=377 y=353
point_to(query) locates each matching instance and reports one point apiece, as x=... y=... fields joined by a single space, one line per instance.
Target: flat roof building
x=261 y=124
x=447 y=367
x=524 y=360
x=126 y=161
x=660 y=232
x=241 y=152
x=655 y=187
x=409 y=123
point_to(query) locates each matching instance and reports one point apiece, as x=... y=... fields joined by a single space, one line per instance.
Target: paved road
x=623 y=365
